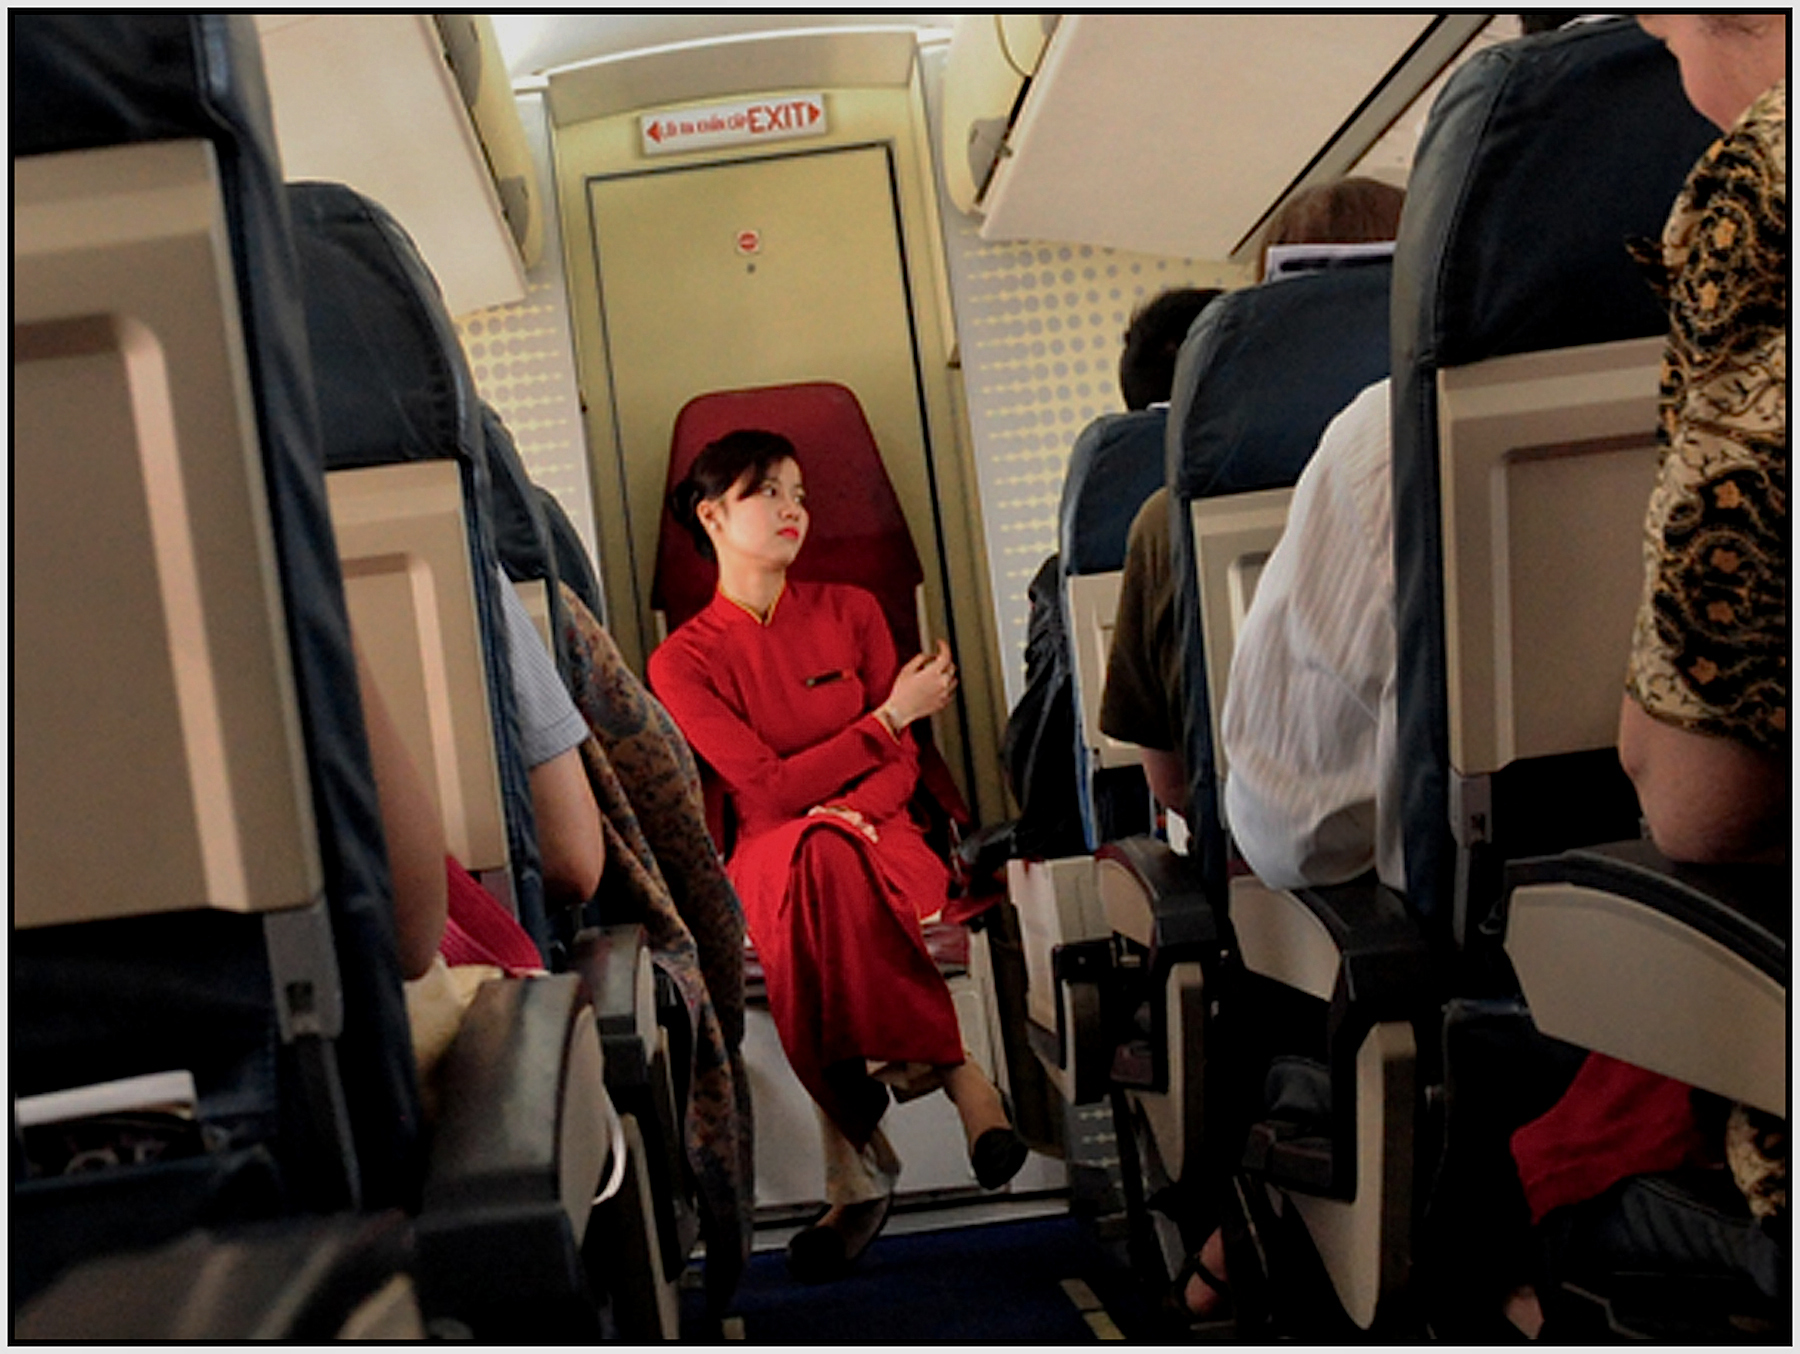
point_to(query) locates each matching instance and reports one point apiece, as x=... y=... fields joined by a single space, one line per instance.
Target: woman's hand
x=849 y=815
x=922 y=688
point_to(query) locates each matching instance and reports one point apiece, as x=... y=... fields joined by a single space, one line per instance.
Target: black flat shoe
x=997 y=1156
x=821 y=1254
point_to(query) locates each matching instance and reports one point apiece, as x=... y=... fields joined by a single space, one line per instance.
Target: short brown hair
x=1348 y=211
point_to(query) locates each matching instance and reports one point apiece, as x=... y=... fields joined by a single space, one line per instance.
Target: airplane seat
x=209 y=1039
x=378 y=325
x=522 y=536
x=418 y=484
x=1115 y=464
x=574 y=567
x=1309 y=1052
x=200 y=885
x=1527 y=351
x=858 y=535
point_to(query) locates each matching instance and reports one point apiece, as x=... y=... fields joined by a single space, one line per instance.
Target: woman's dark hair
x=1147 y=366
x=720 y=465
x=1346 y=211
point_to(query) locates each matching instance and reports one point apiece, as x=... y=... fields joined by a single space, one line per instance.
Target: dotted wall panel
x=523 y=358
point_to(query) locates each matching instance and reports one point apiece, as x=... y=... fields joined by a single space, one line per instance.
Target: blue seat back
x=1116 y=464
x=394 y=386
x=1542 y=159
x=1263 y=371
x=315 y=1074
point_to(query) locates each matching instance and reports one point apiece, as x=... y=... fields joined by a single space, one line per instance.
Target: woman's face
x=1722 y=70
x=762 y=521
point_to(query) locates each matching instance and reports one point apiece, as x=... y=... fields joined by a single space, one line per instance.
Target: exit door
x=751 y=273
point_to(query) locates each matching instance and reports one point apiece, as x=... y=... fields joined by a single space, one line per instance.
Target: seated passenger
x=794 y=696
x=1703 y=727
x=1309 y=718
x=1143 y=701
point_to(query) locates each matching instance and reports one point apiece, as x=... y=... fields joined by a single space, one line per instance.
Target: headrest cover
x=1288 y=260
x=1116 y=464
x=1541 y=160
x=1264 y=370
x=393 y=382
x=857 y=532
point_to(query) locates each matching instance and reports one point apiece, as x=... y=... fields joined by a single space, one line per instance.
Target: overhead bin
x=370 y=100
x=992 y=59
x=1185 y=131
x=473 y=53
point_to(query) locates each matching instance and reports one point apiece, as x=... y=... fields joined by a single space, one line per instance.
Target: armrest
x=1678 y=969
x=302 y=1278
x=1156 y=898
x=614 y=962
x=1356 y=948
x=517 y=1154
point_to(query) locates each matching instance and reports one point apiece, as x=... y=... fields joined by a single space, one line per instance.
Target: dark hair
x=720 y=465
x=1347 y=211
x=1147 y=366
x=1535 y=21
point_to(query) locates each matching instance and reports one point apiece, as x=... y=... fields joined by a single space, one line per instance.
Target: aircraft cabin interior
x=488 y=864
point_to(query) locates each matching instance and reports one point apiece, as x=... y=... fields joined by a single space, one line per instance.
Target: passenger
x=1144 y=700
x=793 y=694
x=1309 y=718
x=1310 y=704
x=571 y=847
x=1703 y=727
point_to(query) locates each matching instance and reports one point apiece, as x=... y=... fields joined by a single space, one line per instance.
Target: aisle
x=1043 y=1281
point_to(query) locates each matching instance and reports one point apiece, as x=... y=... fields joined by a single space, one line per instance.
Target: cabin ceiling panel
x=748 y=64
x=534 y=44
x=1173 y=134
x=367 y=100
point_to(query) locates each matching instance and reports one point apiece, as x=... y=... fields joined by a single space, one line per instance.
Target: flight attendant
x=793 y=694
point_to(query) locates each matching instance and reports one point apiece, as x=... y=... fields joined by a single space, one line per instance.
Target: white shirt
x=1312 y=795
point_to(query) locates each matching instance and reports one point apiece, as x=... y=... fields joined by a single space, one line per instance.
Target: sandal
x=1175 y=1300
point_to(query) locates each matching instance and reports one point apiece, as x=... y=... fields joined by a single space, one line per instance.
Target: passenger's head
x=1727 y=60
x=1348 y=211
x=733 y=467
x=1152 y=340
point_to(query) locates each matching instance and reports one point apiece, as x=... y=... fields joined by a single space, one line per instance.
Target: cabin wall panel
x=523 y=359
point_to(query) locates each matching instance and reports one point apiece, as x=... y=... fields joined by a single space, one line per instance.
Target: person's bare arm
x=1707 y=799
x=1167 y=774
x=570 y=841
x=415 y=834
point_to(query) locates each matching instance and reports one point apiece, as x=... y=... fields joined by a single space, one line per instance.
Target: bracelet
x=889 y=720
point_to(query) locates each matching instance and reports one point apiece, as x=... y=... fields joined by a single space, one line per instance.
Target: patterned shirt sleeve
x=1709 y=649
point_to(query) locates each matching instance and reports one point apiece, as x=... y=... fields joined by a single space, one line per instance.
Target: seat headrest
x=1264 y=370
x=521 y=537
x=857 y=534
x=1541 y=159
x=393 y=384
x=93 y=79
x=1116 y=464
x=573 y=566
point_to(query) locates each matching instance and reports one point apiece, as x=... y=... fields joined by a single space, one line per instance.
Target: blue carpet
x=997 y=1283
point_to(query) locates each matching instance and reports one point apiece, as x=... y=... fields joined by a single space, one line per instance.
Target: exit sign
x=732 y=124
